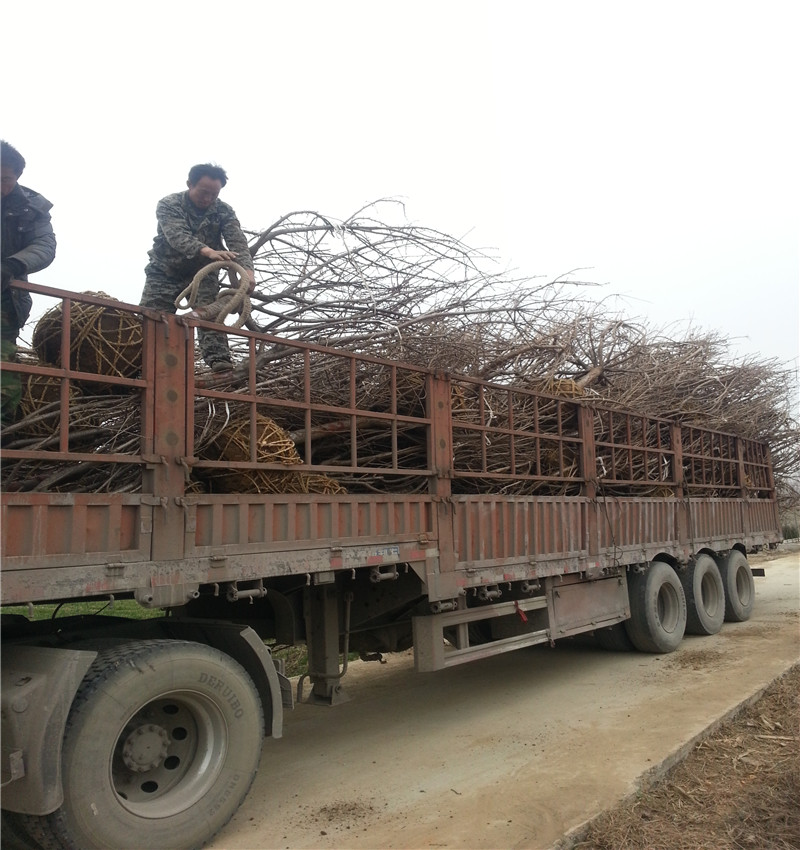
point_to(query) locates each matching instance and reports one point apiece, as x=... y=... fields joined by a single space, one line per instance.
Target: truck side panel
x=43 y=530
x=240 y=538
x=470 y=484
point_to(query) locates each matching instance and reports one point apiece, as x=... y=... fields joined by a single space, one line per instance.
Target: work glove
x=11 y=269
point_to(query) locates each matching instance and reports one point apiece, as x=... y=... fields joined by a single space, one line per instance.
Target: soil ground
x=739 y=789
x=519 y=750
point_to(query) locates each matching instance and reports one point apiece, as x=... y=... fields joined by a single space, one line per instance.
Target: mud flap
x=38 y=686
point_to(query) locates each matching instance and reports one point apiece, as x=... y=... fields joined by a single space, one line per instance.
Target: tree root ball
x=102 y=340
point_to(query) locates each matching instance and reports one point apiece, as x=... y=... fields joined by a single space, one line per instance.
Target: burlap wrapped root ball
x=323 y=484
x=103 y=340
x=273 y=445
x=232 y=442
x=39 y=406
x=269 y=481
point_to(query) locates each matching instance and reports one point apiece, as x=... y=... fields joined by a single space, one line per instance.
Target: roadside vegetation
x=116 y=608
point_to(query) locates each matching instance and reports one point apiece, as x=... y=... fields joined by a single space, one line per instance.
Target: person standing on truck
x=28 y=245
x=195 y=229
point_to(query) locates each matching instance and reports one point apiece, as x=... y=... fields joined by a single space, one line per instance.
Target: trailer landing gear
x=322 y=638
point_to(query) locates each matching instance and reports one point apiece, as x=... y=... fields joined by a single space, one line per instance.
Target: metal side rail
x=431 y=653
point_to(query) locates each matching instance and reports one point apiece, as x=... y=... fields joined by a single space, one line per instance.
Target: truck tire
x=658 y=609
x=161 y=746
x=13 y=835
x=705 y=596
x=614 y=638
x=740 y=589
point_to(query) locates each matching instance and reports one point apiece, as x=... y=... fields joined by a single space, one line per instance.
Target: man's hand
x=9 y=273
x=218 y=256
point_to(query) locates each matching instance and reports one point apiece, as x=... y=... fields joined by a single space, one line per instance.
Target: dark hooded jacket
x=28 y=243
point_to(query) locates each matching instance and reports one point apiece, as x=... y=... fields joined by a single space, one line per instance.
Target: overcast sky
x=653 y=146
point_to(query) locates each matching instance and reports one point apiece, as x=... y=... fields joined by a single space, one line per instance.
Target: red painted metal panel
x=228 y=524
x=493 y=529
x=571 y=487
x=762 y=516
x=48 y=529
x=713 y=518
x=626 y=523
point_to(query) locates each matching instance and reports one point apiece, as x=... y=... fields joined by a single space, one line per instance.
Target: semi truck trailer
x=313 y=496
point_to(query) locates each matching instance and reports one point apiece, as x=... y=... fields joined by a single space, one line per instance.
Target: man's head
x=12 y=164
x=205 y=182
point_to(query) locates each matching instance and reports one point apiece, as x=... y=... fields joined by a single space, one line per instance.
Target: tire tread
x=643 y=627
x=736 y=611
x=53 y=831
x=698 y=620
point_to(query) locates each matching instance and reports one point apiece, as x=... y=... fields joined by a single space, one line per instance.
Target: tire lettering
x=225 y=691
x=219 y=802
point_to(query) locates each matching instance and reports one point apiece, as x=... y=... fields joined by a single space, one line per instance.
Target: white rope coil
x=229 y=300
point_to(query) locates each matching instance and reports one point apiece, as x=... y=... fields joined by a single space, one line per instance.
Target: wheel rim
x=169 y=754
x=743 y=586
x=710 y=597
x=668 y=607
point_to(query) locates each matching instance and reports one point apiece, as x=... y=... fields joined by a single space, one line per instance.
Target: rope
x=230 y=300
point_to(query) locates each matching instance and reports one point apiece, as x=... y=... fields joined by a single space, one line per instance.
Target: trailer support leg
x=322 y=639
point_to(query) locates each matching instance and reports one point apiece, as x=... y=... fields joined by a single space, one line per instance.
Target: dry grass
x=739 y=789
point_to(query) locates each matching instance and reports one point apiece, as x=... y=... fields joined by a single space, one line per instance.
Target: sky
x=653 y=147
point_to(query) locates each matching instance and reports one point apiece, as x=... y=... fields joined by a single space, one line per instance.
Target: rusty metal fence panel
x=715 y=519
x=633 y=530
x=520 y=536
x=245 y=524
x=42 y=530
x=383 y=462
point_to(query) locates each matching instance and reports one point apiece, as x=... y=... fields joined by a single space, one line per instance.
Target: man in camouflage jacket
x=28 y=246
x=195 y=228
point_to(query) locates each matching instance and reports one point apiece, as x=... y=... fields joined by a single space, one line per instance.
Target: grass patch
x=295 y=658
x=790 y=532
x=118 y=608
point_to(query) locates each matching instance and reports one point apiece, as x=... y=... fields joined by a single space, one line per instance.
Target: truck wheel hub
x=145 y=747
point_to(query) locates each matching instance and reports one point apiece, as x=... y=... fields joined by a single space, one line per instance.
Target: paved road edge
x=651 y=776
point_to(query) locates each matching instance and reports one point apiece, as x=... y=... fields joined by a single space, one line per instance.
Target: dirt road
x=509 y=752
